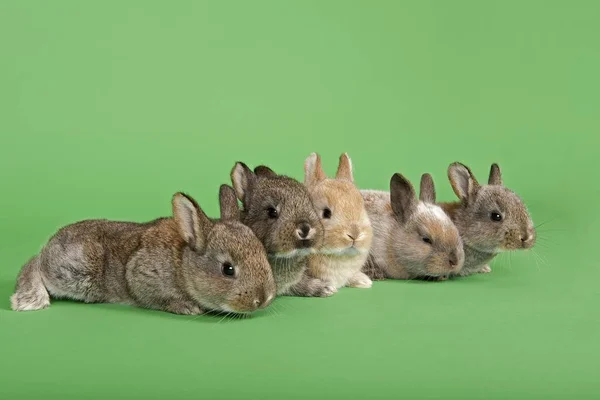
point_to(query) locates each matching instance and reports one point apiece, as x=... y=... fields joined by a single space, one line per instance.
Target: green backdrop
x=109 y=107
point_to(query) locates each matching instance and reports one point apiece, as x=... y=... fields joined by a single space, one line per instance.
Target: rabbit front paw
x=485 y=269
x=184 y=308
x=322 y=289
x=360 y=280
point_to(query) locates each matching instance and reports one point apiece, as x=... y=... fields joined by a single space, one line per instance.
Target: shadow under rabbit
x=7 y=289
x=207 y=317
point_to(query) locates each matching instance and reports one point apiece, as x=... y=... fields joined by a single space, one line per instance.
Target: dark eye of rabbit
x=272 y=212
x=228 y=269
x=326 y=213
x=426 y=239
x=496 y=216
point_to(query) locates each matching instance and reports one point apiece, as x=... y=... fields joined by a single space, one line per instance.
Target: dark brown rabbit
x=280 y=212
x=490 y=218
x=186 y=264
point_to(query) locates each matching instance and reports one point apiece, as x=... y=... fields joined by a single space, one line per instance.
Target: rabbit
x=412 y=238
x=187 y=264
x=490 y=218
x=347 y=229
x=280 y=212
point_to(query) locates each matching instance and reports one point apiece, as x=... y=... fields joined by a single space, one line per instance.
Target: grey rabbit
x=280 y=212
x=490 y=218
x=413 y=237
x=186 y=264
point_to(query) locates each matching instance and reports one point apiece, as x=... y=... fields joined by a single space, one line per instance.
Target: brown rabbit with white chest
x=490 y=218
x=280 y=212
x=186 y=264
x=347 y=229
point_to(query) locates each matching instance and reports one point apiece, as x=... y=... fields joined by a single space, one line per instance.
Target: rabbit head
x=426 y=242
x=279 y=211
x=491 y=218
x=347 y=229
x=224 y=265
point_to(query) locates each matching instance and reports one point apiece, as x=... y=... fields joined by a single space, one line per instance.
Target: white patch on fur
x=36 y=301
x=435 y=211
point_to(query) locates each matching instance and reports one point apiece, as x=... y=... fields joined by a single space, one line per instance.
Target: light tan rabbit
x=347 y=229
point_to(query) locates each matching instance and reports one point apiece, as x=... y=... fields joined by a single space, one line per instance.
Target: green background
x=109 y=107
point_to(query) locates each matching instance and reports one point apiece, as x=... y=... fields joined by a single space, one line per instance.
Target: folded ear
x=495 y=175
x=427 y=192
x=463 y=182
x=242 y=178
x=228 y=203
x=191 y=221
x=313 y=171
x=403 y=198
x=344 y=170
x=263 y=170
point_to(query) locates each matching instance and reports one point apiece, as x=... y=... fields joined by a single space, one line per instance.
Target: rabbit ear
x=313 y=171
x=495 y=175
x=242 y=178
x=463 y=182
x=263 y=170
x=228 y=203
x=403 y=198
x=345 y=168
x=191 y=221
x=427 y=192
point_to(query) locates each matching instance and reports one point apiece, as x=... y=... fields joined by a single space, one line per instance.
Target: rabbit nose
x=256 y=303
x=453 y=259
x=263 y=300
x=354 y=233
x=304 y=231
x=526 y=239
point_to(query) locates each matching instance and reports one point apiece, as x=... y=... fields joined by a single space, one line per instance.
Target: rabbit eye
x=496 y=216
x=272 y=212
x=427 y=239
x=326 y=213
x=227 y=269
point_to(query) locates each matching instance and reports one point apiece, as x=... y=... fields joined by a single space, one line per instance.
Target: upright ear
x=228 y=203
x=313 y=171
x=463 y=182
x=263 y=170
x=191 y=221
x=495 y=175
x=403 y=198
x=427 y=192
x=344 y=170
x=242 y=178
